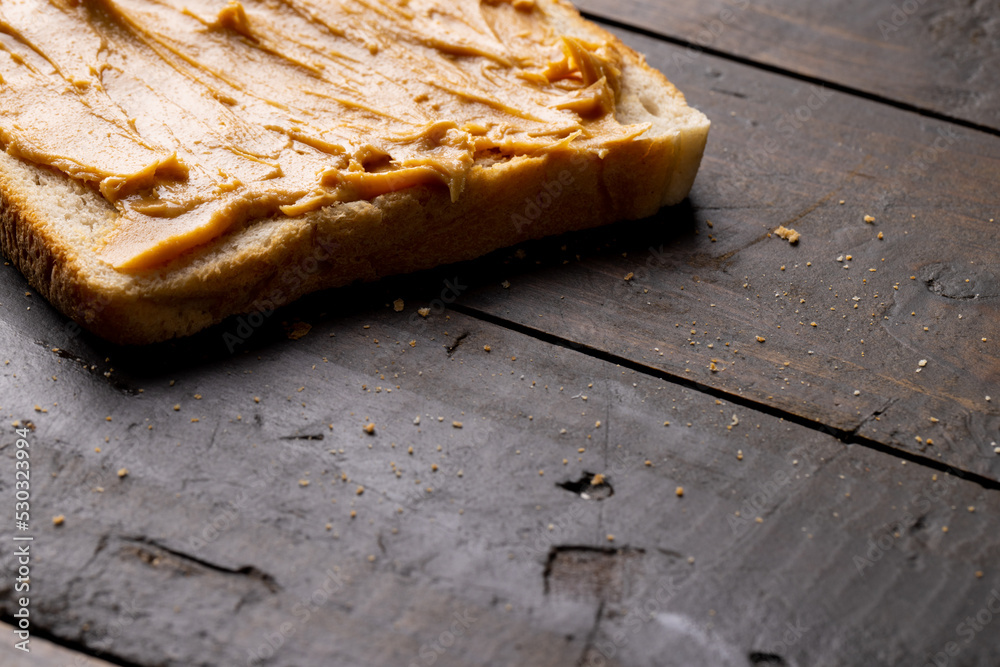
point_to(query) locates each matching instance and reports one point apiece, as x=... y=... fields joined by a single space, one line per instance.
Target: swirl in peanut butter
x=192 y=118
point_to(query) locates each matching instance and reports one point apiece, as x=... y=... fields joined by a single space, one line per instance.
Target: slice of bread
x=49 y=221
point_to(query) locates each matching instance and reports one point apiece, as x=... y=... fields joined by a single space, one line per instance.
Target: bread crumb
x=789 y=235
x=58 y=520
x=123 y=472
x=611 y=538
x=597 y=424
x=629 y=276
x=597 y=479
x=360 y=490
x=505 y=284
x=869 y=219
x=922 y=363
x=679 y=491
x=487 y=348
x=398 y=305
x=880 y=236
x=760 y=339
x=369 y=428
x=303 y=482
x=298 y=330
x=457 y=424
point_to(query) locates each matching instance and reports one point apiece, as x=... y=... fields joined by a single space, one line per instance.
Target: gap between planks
x=850 y=437
x=47 y=650
x=781 y=71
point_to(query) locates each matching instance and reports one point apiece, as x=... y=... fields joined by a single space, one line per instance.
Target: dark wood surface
x=936 y=266
x=779 y=519
x=941 y=57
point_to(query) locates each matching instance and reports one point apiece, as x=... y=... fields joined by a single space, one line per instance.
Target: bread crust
x=48 y=221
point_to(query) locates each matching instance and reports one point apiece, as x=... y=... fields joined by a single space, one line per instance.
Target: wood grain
x=937 y=55
x=927 y=290
x=587 y=490
x=230 y=537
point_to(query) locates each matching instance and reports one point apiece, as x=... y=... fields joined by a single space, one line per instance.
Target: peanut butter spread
x=192 y=117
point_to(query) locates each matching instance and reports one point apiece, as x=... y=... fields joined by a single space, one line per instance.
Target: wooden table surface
x=827 y=496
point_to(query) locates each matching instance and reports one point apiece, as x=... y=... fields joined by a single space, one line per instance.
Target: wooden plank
x=211 y=549
x=935 y=55
x=927 y=291
x=42 y=653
